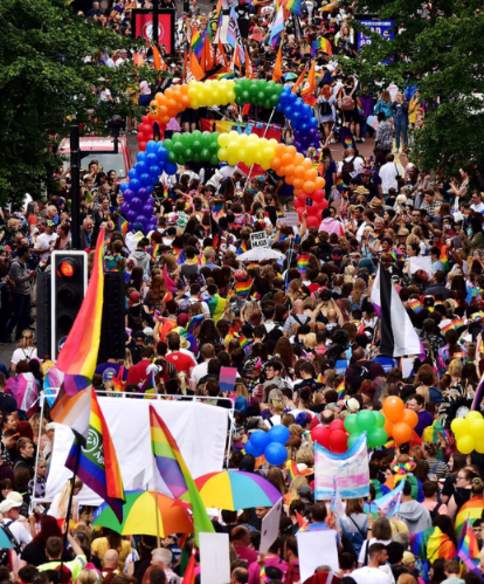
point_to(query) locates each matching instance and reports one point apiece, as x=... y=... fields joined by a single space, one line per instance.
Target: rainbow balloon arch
x=213 y=148
x=255 y=92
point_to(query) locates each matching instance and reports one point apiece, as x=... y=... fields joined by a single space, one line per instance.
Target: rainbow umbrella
x=147 y=513
x=235 y=489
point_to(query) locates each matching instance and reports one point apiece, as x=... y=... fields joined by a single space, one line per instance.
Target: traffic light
x=68 y=287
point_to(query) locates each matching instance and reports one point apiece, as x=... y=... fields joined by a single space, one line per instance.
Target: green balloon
x=196 y=145
x=366 y=421
x=351 y=424
x=178 y=148
x=376 y=437
x=379 y=419
x=214 y=160
x=352 y=438
x=171 y=156
x=205 y=154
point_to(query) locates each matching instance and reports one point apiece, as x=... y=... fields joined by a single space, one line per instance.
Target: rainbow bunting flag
x=468 y=550
x=453 y=325
x=96 y=463
x=303 y=262
x=415 y=305
x=78 y=357
x=243 y=289
x=174 y=472
x=321 y=44
x=469 y=512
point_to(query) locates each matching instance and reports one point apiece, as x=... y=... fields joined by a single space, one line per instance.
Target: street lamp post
x=156 y=6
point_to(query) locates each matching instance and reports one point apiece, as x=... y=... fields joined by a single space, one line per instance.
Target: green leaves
x=49 y=71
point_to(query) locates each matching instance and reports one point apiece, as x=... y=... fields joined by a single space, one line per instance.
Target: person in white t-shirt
x=388 y=175
x=45 y=242
x=373 y=573
x=25 y=351
x=12 y=522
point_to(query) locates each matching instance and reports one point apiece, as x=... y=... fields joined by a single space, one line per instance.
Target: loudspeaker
x=43 y=320
x=113 y=334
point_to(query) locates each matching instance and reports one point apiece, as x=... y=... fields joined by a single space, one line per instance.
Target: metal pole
x=75 y=185
x=156 y=4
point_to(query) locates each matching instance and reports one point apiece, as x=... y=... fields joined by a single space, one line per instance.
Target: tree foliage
x=438 y=47
x=48 y=73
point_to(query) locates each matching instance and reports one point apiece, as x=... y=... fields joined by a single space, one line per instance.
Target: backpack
x=347 y=103
x=4 y=553
x=325 y=108
x=347 y=168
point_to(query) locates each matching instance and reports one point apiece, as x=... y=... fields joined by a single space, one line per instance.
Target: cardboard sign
x=259 y=239
x=316 y=549
x=214 y=558
x=291 y=219
x=270 y=527
x=227 y=378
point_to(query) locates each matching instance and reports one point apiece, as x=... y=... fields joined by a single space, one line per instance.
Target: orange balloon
x=320 y=182
x=401 y=432
x=307 y=164
x=393 y=408
x=388 y=427
x=287 y=158
x=292 y=150
x=159 y=98
x=298 y=183
x=281 y=149
x=410 y=417
x=276 y=163
x=299 y=158
x=312 y=174
x=308 y=186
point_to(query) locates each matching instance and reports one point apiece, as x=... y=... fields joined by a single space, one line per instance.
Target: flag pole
x=263 y=136
x=78 y=441
x=157 y=513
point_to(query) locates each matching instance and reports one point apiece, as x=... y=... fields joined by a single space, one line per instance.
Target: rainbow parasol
x=139 y=517
x=234 y=489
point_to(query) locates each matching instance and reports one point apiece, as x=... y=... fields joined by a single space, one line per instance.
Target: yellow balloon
x=473 y=415
x=223 y=140
x=476 y=429
x=480 y=446
x=458 y=426
x=465 y=444
x=428 y=434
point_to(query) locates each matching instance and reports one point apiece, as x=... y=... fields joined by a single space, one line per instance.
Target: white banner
x=349 y=473
x=199 y=429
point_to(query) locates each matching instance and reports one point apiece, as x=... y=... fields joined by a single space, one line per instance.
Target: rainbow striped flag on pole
x=468 y=550
x=96 y=463
x=175 y=473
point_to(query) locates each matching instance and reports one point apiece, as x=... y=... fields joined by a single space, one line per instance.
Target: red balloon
x=313 y=222
x=324 y=203
x=314 y=422
x=141 y=145
x=321 y=434
x=314 y=211
x=338 y=441
x=337 y=425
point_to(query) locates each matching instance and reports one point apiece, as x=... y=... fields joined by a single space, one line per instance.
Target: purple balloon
x=124 y=208
x=128 y=194
x=134 y=184
x=130 y=215
x=140 y=219
x=142 y=193
x=148 y=209
x=136 y=203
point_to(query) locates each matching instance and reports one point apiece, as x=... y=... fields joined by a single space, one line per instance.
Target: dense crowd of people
x=301 y=331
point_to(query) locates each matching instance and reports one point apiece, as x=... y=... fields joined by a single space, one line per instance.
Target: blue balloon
x=132 y=173
x=134 y=184
x=141 y=167
x=152 y=146
x=145 y=179
x=279 y=433
x=260 y=439
x=170 y=168
x=142 y=193
x=124 y=186
x=151 y=158
x=275 y=453
x=162 y=154
x=154 y=171
x=141 y=156
x=124 y=208
x=253 y=449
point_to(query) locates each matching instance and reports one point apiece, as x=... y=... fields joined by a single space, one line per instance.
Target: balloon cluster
x=197 y=147
x=370 y=422
x=469 y=432
x=400 y=421
x=257 y=92
x=333 y=437
x=270 y=444
x=138 y=202
x=246 y=148
x=303 y=122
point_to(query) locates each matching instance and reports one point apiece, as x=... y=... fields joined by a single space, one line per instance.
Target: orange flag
x=222 y=53
x=249 y=70
x=299 y=81
x=158 y=62
x=310 y=87
x=195 y=67
x=277 y=73
x=207 y=61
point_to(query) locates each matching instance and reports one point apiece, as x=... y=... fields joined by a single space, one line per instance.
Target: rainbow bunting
x=96 y=463
x=468 y=550
x=470 y=511
x=415 y=305
x=243 y=289
x=175 y=473
x=78 y=357
x=303 y=262
x=453 y=325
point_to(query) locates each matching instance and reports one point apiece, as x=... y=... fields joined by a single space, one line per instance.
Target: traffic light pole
x=156 y=5
x=75 y=161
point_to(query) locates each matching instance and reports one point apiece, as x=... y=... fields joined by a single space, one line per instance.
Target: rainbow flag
x=72 y=410
x=341 y=389
x=276 y=28
x=444 y=258
x=303 y=262
x=122 y=225
x=468 y=550
x=440 y=546
x=78 y=357
x=96 y=463
x=216 y=305
x=470 y=511
x=293 y=470
x=197 y=42
x=415 y=305
x=174 y=472
x=242 y=289
x=244 y=342
x=453 y=325
x=243 y=247
x=293 y=6
x=321 y=44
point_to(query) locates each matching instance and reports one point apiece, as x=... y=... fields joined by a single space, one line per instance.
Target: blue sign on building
x=385 y=27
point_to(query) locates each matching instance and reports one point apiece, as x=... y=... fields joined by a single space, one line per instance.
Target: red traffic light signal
x=66 y=269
